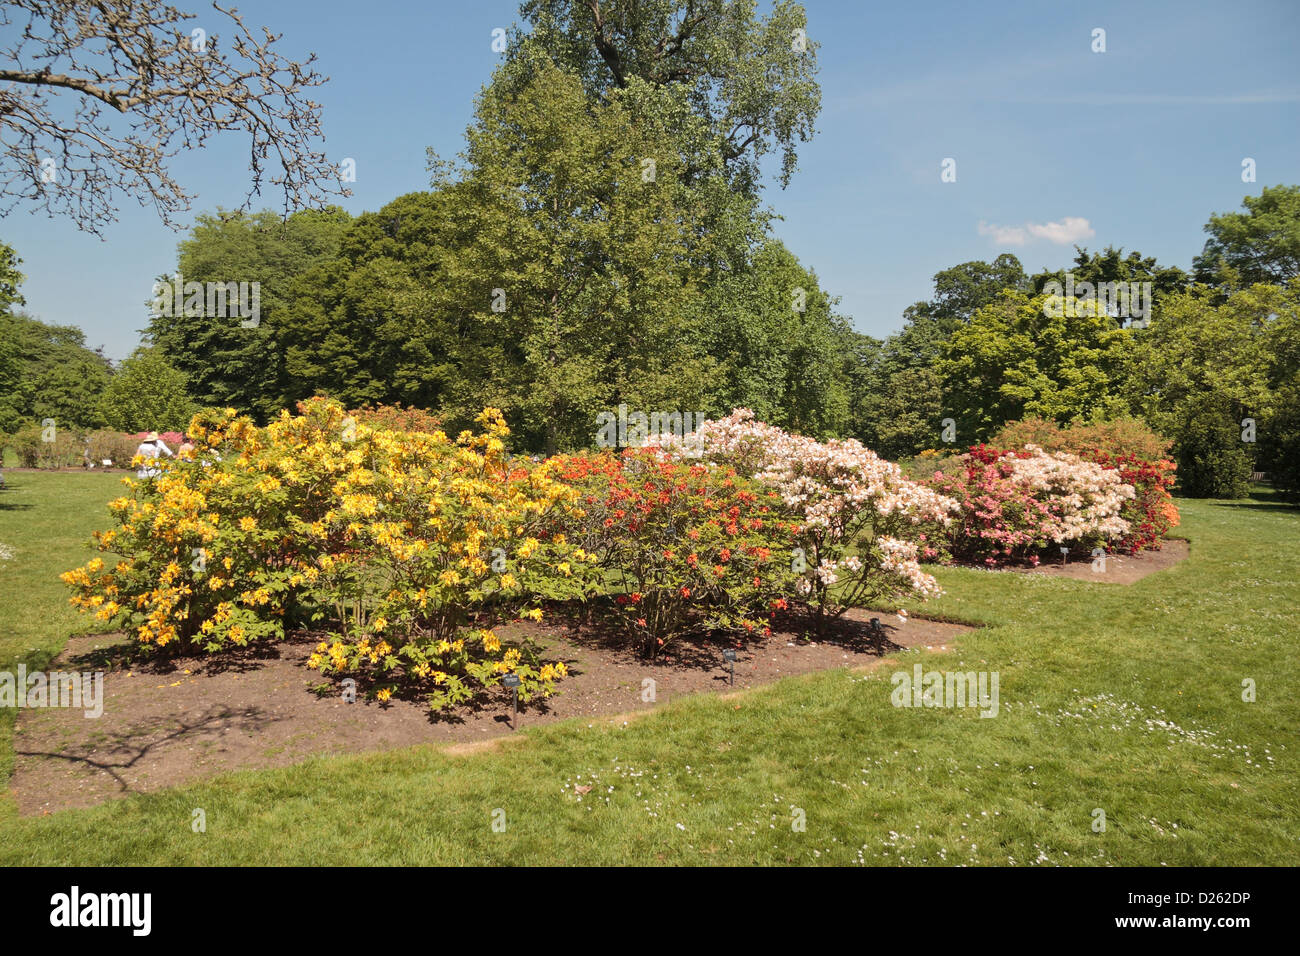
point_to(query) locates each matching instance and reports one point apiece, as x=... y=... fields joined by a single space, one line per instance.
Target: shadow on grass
x=1260 y=499
x=7 y=503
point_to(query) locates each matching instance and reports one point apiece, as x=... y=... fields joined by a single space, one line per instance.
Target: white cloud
x=1004 y=235
x=1068 y=230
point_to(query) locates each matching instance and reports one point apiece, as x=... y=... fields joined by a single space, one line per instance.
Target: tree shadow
x=1259 y=501
x=126 y=745
x=6 y=490
x=237 y=660
x=857 y=630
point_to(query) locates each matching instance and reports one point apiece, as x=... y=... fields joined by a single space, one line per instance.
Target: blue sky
x=1053 y=143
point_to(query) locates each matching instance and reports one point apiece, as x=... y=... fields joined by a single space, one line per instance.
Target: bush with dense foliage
x=1014 y=504
x=1213 y=461
x=1119 y=436
x=1151 y=513
x=688 y=545
x=391 y=539
x=104 y=444
x=44 y=446
x=1125 y=444
x=397 y=418
x=858 y=518
x=1283 y=455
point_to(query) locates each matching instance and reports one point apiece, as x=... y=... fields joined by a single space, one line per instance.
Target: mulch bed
x=1120 y=568
x=175 y=722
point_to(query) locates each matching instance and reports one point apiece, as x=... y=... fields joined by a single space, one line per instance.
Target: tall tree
x=10 y=365
x=226 y=358
x=145 y=394
x=1111 y=265
x=964 y=289
x=751 y=78
x=1206 y=366
x=1020 y=357
x=52 y=375
x=902 y=403
x=780 y=349
x=1261 y=244
x=578 y=267
x=10 y=278
x=374 y=325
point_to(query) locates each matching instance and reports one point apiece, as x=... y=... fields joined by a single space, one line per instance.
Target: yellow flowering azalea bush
x=439 y=542
x=407 y=547
x=194 y=565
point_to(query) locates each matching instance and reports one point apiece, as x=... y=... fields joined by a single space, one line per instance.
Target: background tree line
x=602 y=239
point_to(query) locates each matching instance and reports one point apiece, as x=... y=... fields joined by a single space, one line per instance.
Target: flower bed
x=408 y=546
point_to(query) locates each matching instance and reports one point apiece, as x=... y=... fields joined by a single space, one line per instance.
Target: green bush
x=64 y=448
x=106 y=444
x=1213 y=461
x=1120 y=437
x=1282 y=443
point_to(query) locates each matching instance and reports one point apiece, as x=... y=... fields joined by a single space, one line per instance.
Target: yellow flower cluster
x=395 y=534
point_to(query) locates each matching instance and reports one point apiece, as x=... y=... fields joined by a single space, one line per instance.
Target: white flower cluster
x=845 y=496
x=1088 y=496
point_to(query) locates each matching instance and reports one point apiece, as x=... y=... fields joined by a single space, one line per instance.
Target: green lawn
x=1127 y=699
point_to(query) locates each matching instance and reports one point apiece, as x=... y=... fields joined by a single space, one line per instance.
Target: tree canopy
x=1261 y=244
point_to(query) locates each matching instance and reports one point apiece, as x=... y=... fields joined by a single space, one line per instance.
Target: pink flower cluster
x=1015 y=504
x=858 y=516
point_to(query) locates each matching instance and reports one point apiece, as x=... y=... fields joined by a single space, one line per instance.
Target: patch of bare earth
x=172 y=723
x=1117 y=568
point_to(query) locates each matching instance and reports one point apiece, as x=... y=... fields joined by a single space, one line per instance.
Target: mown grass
x=1126 y=699
x=45 y=526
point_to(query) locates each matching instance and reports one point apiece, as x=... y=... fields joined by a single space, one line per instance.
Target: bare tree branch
x=140 y=82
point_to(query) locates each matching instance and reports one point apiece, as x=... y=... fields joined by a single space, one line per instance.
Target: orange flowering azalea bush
x=408 y=547
x=688 y=545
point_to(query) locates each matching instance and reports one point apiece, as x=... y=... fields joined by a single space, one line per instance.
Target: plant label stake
x=1065 y=555
x=512 y=681
x=878 y=636
x=729 y=656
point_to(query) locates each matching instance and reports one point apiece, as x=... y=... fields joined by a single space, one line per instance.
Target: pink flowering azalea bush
x=1014 y=504
x=857 y=518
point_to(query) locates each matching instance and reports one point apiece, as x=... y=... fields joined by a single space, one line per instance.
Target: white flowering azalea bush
x=858 y=518
x=1088 y=496
x=1016 y=503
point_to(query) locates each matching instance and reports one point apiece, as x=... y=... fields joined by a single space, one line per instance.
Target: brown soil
x=1120 y=568
x=171 y=723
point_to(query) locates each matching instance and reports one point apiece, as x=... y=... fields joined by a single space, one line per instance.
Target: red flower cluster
x=688 y=543
x=1151 y=513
